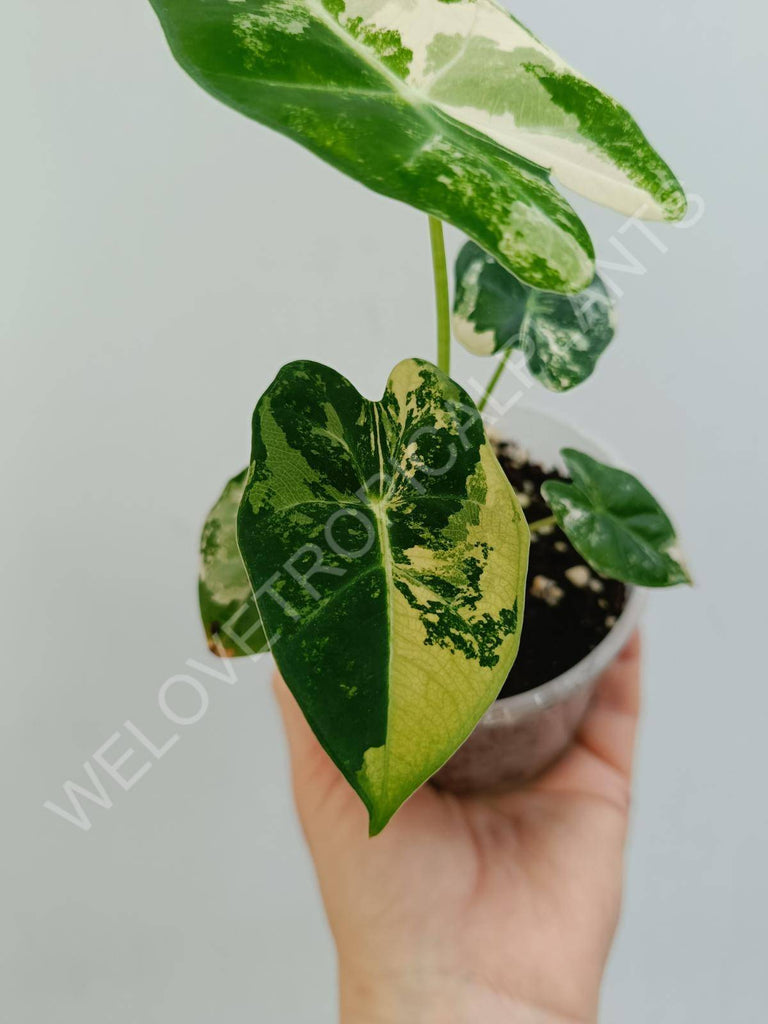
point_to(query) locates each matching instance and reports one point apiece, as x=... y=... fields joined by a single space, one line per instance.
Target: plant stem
x=441 y=295
x=494 y=380
x=542 y=524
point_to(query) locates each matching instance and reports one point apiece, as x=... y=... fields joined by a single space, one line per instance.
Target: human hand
x=482 y=908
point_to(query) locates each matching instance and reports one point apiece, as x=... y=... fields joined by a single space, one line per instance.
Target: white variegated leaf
x=561 y=336
x=227 y=606
x=453 y=107
x=475 y=61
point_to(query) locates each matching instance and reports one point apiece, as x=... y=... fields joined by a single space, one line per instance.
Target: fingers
x=599 y=764
x=608 y=731
x=308 y=759
x=315 y=776
x=619 y=686
x=301 y=740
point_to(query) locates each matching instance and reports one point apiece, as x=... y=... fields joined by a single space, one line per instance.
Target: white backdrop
x=162 y=257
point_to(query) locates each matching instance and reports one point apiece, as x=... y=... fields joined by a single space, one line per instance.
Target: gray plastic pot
x=518 y=737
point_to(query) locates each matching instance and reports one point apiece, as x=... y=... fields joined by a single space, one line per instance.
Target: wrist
x=436 y=1000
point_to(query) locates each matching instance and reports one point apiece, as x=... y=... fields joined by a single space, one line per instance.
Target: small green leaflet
x=615 y=523
x=562 y=336
x=388 y=555
x=227 y=608
x=455 y=108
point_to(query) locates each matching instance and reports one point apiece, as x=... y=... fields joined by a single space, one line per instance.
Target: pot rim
x=584 y=673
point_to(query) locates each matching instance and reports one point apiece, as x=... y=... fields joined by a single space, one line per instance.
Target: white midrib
x=522 y=333
x=379 y=506
x=338 y=30
x=449 y=65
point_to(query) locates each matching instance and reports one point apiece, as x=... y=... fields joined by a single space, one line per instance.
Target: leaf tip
x=217 y=647
x=685 y=573
x=675 y=203
x=380 y=811
x=376 y=824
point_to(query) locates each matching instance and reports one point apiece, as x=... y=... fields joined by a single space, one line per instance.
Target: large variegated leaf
x=452 y=107
x=388 y=555
x=562 y=336
x=227 y=607
x=615 y=523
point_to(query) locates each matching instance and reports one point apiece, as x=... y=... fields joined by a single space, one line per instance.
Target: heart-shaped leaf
x=227 y=606
x=562 y=336
x=615 y=523
x=388 y=555
x=452 y=107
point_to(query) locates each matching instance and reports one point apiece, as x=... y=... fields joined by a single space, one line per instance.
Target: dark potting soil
x=569 y=608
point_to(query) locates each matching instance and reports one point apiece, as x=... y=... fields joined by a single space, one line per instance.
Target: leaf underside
x=562 y=336
x=615 y=523
x=227 y=607
x=452 y=107
x=388 y=554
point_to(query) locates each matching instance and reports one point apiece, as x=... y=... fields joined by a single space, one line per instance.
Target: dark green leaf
x=562 y=336
x=615 y=523
x=388 y=555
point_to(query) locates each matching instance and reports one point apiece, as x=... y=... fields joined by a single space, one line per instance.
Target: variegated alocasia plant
x=387 y=554
x=377 y=547
x=451 y=106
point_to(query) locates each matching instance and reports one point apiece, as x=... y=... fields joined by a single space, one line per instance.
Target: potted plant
x=380 y=549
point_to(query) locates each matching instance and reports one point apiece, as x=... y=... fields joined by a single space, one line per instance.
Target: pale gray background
x=162 y=256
